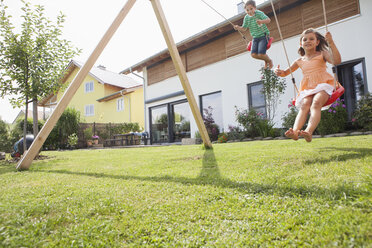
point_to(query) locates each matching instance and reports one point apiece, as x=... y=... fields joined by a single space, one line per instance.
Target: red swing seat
x=335 y=95
x=271 y=39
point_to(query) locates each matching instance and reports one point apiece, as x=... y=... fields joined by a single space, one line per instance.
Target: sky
x=138 y=37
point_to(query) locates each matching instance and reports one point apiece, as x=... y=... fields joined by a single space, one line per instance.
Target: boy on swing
x=256 y=21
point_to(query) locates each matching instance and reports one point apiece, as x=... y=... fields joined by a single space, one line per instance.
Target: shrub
x=88 y=133
x=67 y=124
x=72 y=140
x=235 y=133
x=126 y=128
x=334 y=119
x=290 y=117
x=254 y=123
x=363 y=113
x=5 y=143
x=222 y=138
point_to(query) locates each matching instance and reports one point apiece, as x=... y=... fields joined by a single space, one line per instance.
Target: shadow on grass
x=349 y=154
x=210 y=176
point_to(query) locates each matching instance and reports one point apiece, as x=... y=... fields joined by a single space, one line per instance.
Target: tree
x=33 y=61
x=273 y=87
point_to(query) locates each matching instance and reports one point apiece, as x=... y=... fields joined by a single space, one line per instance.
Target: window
x=89 y=87
x=213 y=104
x=352 y=75
x=159 y=124
x=120 y=104
x=89 y=110
x=256 y=99
x=181 y=115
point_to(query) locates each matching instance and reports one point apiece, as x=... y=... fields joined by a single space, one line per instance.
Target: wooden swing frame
x=36 y=146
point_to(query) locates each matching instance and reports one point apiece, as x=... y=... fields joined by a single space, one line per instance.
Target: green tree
x=33 y=61
x=5 y=144
x=273 y=87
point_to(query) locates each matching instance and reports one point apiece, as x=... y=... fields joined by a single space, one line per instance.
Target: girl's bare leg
x=319 y=100
x=300 y=118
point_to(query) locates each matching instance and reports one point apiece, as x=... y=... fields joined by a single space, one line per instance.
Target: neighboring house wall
x=105 y=111
x=137 y=106
x=209 y=72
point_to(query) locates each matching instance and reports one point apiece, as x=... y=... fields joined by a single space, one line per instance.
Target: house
x=103 y=97
x=223 y=75
x=41 y=115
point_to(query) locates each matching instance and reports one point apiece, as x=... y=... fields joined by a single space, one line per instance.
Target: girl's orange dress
x=316 y=78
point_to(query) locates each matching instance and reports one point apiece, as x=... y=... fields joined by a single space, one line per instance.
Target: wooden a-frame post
x=35 y=147
x=31 y=153
x=181 y=72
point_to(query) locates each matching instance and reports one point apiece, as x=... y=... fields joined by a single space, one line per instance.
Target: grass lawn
x=252 y=194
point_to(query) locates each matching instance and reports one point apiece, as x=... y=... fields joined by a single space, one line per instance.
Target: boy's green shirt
x=251 y=23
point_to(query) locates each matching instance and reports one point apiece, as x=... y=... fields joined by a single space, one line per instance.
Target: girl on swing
x=317 y=84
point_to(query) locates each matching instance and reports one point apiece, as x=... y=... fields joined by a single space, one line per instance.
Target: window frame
x=91 y=88
x=249 y=92
x=120 y=104
x=91 y=107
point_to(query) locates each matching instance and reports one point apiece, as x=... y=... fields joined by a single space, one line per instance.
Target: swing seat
x=335 y=95
x=249 y=47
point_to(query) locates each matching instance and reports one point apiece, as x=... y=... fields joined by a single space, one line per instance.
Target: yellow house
x=103 y=97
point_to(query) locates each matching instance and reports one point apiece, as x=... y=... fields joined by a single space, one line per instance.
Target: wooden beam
x=35 y=147
x=181 y=71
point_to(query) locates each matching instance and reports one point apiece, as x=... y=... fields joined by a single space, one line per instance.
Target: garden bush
x=222 y=138
x=67 y=124
x=254 y=123
x=126 y=128
x=363 y=113
x=235 y=133
x=334 y=119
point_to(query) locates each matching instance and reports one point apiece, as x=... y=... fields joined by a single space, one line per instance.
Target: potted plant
x=95 y=139
x=88 y=133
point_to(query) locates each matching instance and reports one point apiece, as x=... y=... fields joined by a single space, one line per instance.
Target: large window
x=159 y=124
x=352 y=75
x=170 y=122
x=180 y=121
x=212 y=103
x=256 y=99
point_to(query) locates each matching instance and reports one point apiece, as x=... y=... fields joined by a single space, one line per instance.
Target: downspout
x=144 y=95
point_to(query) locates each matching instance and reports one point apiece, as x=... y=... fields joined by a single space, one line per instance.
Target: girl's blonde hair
x=323 y=44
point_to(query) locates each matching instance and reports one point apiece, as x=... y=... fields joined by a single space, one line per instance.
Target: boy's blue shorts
x=259 y=45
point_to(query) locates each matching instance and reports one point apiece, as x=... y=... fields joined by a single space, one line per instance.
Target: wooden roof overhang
x=213 y=33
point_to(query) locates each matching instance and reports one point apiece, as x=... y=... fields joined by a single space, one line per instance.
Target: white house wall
x=231 y=76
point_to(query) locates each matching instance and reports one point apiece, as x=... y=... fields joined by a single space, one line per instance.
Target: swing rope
x=285 y=50
x=243 y=36
x=330 y=49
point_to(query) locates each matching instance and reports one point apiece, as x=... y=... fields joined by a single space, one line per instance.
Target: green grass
x=253 y=194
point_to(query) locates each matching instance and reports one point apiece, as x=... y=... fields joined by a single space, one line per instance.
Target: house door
x=159 y=124
x=352 y=75
x=180 y=113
